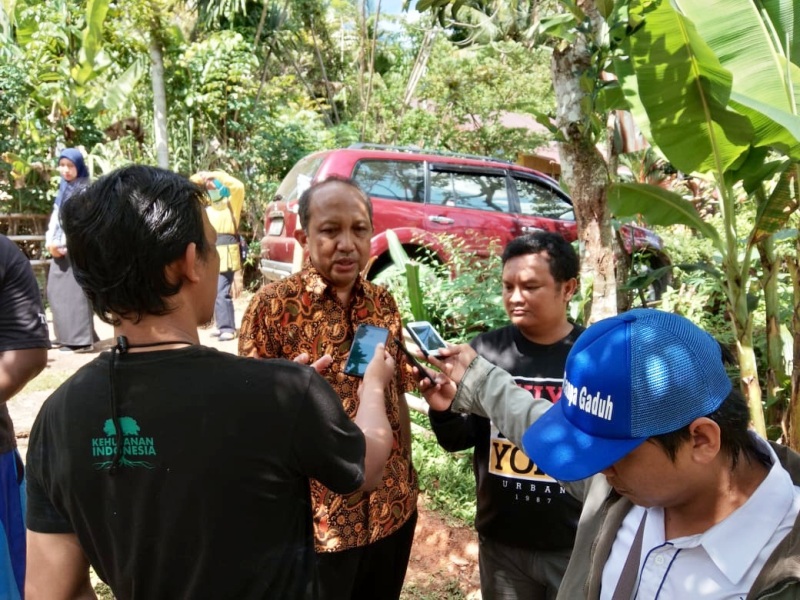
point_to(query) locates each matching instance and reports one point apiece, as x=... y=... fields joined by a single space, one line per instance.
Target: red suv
x=422 y=194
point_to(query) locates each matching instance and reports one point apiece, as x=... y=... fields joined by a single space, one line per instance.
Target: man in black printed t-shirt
x=175 y=470
x=525 y=520
x=24 y=340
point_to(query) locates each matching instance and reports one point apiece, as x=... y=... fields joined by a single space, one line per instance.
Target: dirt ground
x=444 y=557
x=444 y=560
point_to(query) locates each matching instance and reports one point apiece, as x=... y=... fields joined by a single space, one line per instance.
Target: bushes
x=461 y=299
x=445 y=478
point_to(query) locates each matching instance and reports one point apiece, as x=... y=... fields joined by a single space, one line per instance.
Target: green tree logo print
x=129 y=427
x=133 y=445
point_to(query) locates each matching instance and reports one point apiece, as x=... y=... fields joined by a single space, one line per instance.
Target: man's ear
x=300 y=236
x=570 y=287
x=186 y=267
x=706 y=439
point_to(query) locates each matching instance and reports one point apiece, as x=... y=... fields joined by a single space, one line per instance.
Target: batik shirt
x=303 y=314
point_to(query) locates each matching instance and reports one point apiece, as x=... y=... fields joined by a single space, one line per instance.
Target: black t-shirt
x=211 y=499
x=22 y=320
x=518 y=504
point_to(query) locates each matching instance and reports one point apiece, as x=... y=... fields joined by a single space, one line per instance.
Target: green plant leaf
x=96 y=11
x=415 y=295
x=117 y=94
x=658 y=207
x=751 y=43
x=561 y=26
x=396 y=250
x=685 y=91
x=773 y=214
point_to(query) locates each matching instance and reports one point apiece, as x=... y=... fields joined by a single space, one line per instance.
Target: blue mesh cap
x=639 y=374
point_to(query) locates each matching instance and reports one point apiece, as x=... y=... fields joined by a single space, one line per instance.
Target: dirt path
x=444 y=557
x=444 y=560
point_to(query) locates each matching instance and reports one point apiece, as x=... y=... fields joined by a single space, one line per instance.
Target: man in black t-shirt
x=526 y=521
x=175 y=470
x=24 y=341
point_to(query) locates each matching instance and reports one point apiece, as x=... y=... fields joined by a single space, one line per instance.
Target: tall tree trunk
x=159 y=100
x=371 y=69
x=585 y=173
x=792 y=416
x=776 y=378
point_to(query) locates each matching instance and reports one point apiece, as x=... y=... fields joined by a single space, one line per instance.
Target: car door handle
x=441 y=220
x=527 y=229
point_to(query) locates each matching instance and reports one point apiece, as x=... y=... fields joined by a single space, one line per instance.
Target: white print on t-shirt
x=508 y=461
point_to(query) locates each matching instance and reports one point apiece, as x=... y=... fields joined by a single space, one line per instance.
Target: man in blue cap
x=681 y=499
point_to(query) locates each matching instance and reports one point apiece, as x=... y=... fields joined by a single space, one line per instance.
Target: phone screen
x=428 y=337
x=363 y=348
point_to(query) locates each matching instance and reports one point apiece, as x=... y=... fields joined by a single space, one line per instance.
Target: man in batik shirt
x=363 y=540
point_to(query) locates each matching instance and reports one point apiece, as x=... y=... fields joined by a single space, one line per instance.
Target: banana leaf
x=658 y=207
x=685 y=92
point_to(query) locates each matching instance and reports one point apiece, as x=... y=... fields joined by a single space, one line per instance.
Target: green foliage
x=451 y=590
x=223 y=76
x=411 y=270
x=445 y=478
x=460 y=102
x=462 y=298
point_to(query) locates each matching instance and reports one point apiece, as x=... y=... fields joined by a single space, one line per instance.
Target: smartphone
x=422 y=372
x=363 y=348
x=426 y=337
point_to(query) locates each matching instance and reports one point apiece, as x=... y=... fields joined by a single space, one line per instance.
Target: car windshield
x=298 y=179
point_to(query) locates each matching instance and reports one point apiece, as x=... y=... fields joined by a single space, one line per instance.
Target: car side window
x=391 y=179
x=469 y=190
x=536 y=199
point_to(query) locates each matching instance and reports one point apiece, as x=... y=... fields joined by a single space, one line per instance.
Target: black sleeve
x=41 y=514
x=22 y=320
x=453 y=431
x=329 y=447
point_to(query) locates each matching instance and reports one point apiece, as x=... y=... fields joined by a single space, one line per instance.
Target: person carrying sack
x=226 y=195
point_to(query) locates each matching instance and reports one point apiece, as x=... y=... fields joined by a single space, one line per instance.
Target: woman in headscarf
x=72 y=314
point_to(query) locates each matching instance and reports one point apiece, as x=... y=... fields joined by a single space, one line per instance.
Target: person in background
x=72 y=314
x=227 y=199
x=526 y=521
x=135 y=464
x=681 y=498
x=24 y=341
x=363 y=541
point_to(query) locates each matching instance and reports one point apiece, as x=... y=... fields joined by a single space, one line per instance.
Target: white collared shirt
x=721 y=563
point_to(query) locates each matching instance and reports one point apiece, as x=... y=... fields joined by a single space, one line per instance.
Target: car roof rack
x=417 y=149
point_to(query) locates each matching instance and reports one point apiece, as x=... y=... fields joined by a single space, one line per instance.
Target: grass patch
x=446 y=478
x=103 y=591
x=435 y=590
x=48 y=380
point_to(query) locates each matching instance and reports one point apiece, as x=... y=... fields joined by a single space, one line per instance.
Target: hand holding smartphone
x=422 y=372
x=363 y=348
x=426 y=337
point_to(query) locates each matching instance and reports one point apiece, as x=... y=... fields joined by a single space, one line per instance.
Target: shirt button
x=659 y=560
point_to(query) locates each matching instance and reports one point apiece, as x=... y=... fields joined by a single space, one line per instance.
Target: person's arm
x=236 y=189
x=453 y=431
x=371 y=417
x=474 y=385
x=471 y=384
x=18 y=367
x=54 y=238
x=57 y=568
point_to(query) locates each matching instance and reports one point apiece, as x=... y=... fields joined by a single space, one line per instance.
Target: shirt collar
x=316 y=284
x=751 y=525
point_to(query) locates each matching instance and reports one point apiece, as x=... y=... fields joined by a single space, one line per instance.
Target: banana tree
x=718 y=98
x=65 y=80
